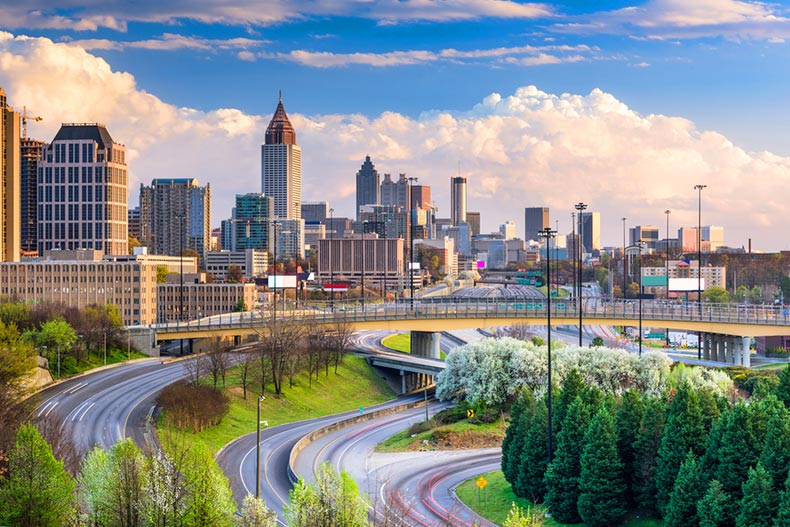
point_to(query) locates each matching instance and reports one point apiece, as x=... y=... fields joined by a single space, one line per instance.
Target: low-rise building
x=196 y=300
x=252 y=262
x=341 y=260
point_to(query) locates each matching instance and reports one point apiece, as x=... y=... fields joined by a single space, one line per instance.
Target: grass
x=561 y=294
x=402 y=441
x=776 y=366
x=398 y=342
x=494 y=502
x=69 y=366
x=354 y=385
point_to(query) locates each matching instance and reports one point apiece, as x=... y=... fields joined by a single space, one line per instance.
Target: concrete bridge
x=725 y=328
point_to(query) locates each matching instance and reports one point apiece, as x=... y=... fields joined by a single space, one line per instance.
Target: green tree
x=164 y=491
x=628 y=418
x=684 y=431
x=234 y=275
x=520 y=414
x=601 y=486
x=255 y=513
x=38 y=490
x=784 y=287
x=736 y=455
x=775 y=455
x=126 y=469
x=56 y=335
x=161 y=274
x=209 y=501
x=597 y=342
x=17 y=358
x=760 y=501
x=534 y=459
x=716 y=295
x=687 y=491
x=240 y=306
x=16 y=313
x=783 y=389
x=333 y=500
x=92 y=488
x=572 y=387
x=562 y=476
x=710 y=509
x=783 y=514
x=645 y=464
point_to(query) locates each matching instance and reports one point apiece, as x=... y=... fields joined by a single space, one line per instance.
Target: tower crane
x=25 y=119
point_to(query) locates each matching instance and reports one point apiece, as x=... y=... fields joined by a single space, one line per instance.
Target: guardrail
x=592 y=308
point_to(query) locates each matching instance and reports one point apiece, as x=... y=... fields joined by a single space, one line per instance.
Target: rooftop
x=82 y=131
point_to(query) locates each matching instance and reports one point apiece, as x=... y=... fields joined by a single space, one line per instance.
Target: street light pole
x=181 y=218
x=331 y=264
x=548 y=234
x=666 y=268
x=580 y=207
x=362 y=286
x=624 y=268
x=258 y=450
x=699 y=263
x=639 y=244
x=411 y=242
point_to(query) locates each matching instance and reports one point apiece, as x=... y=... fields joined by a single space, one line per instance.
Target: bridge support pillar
x=704 y=343
x=425 y=344
x=729 y=343
x=402 y=382
x=716 y=351
x=746 y=357
x=144 y=340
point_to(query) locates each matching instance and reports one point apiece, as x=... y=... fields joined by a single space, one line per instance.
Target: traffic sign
x=481 y=482
x=470 y=413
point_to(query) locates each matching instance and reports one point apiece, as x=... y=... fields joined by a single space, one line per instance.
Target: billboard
x=686 y=284
x=281 y=282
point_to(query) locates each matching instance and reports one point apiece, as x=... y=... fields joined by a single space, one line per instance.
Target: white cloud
x=525 y=149
x=84 y=15
x=170 y=42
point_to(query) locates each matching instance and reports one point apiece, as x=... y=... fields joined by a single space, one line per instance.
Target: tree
x=687 y=491
x=783 y=389
x=597 y=342
x=56 y=335
x=601 y=486
x=684 y=431
x=716 y=295
x=628 y=418
x=534 y=459
x=37 y=491
x=775 y=456
x=254 y=513
x=92 y=488
x=240 y=306
x=759 y=503
x=234 y=275
x=520 y=414
x=562 y=476
x=645 y=464
x=17 y=358
x=126 y=468
x=209 y=501
x=736 y=455
x=161 y=274
x=333 y=500
x=164 y=492
x=572 y=387
x=784 y=287
x=710 y=509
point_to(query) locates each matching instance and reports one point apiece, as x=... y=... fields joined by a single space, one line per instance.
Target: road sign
x=470 y=413
x=481 y=482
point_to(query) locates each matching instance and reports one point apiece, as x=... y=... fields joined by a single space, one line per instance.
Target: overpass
x=721 y=325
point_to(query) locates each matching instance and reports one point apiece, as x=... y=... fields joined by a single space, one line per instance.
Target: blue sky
x=616 y=84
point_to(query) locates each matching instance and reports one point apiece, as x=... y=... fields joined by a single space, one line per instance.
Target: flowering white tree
x=255 y=513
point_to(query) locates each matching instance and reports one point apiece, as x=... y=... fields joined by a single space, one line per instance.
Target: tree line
x=688 y=455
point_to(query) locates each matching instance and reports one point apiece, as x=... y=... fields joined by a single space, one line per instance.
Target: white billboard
x=686 y=284
x=281 y=281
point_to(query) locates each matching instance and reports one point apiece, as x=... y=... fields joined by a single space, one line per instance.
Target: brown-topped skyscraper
x=281 y=166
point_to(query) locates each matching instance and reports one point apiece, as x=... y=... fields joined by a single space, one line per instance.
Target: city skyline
x=626 y=105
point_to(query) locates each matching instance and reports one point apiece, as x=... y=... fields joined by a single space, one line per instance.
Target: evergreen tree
x=37 y=490
x=520 y=414
x=562 y=476
x=688 y=490
x=710 y=407
x=629 y=416
x=759 y=503
x=531 y=480
x=710 y=509
x=736 y=455
x=783 y=389
x=710 y=460
x=601 y=486
x=572 y=387
x=783 y=516
x=648 y=440
x=684 y=431
x=775 y=457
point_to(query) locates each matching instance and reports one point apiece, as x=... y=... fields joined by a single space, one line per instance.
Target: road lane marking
x=50 y=410
x=86 y=411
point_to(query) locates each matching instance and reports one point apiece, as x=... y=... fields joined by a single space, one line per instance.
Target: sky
x=622 y=105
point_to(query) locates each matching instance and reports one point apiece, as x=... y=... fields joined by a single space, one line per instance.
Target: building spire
x=280 y=130
x=281 y=96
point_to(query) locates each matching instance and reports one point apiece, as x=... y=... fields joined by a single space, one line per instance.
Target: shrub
x=747 y=379
x=777 y=352
x=190 y=407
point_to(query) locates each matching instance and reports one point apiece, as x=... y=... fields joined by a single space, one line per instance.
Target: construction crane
x=25 y=119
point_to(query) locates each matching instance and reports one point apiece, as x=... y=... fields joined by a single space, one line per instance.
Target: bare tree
x=280 y=339
x=53 y=429
x=245 y=371
x=341 y=340
x=518 y=331
x=217 y=360
x=196 y=368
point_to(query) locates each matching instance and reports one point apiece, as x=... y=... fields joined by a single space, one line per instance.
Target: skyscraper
x=473 y=219
x=252 y=222
x=535 y=220
x=591 y=231
x=421 y=197
x=396 y=193
x=281 y=166
x=368 y=182
x=316 y=211
x=175 y=215
x=10 y=181
x=32 y=151
x=457 y=200
x=82 y=191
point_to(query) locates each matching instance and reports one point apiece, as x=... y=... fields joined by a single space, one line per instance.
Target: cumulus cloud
x=529 y=148
x=83 y=15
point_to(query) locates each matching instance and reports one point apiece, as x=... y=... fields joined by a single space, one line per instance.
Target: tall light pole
x=557 y=254
x=666 y=267
x=362 y=286
x=258 y=450
x=412 y=180
x=580 y=207
x=548 y=234
x=181 y=218
x=639 y=244
x=699 y=188
x=624 y=268
x=331 y=264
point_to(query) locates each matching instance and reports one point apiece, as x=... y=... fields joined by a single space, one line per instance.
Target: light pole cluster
x=548 y=234
x=699 y=188
x=580 y=207
x=412 y=180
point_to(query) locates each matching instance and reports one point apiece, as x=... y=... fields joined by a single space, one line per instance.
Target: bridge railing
x=592 y=308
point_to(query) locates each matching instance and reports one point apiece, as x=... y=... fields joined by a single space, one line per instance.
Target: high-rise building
x=281 y=166
x=252 y=222
x=458 y=200
x=508 y=229
x=133 y=220
x=535 y=220
x=368 y=192
x=421 y=197
x=648 y=234
x=687 y=239
x=473 y=219
x=591 y=231
x=31 y=151
x=82 y=191
x=175 y=215
x=397 y=193
x=714 y=235
x=315 y=211
x=10 y=181
x=388 y=221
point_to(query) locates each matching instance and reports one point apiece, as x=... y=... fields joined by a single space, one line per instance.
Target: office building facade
x=82 y=191
x=591 y=231
x=395 y=193
x=10 y=191
x=473 y=219
x=317 y=211
x=341 y=259
x=31 y=152
x=535 y=220
x=368 y=181
x=175 y=215
x=457 y=200
x=281 y=166
x=251 y=225
x=648 y=234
